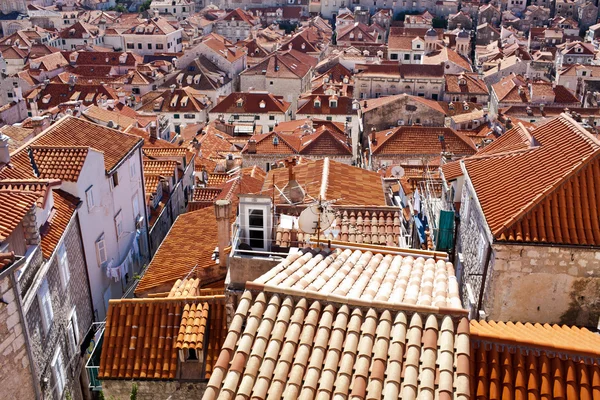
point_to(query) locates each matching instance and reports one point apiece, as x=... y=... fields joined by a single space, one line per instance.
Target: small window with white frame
x=45 y=303
x=73 y=332
x=101 y=250
x=63 y=265
x=119 y=223
x=58 y=373
x=89 y=198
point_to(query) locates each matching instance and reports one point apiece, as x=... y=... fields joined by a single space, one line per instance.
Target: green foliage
x=145 y=6
x=119 y=7
x=400 y=16
x=134 y=391
x=439 y=23
x=288 y=26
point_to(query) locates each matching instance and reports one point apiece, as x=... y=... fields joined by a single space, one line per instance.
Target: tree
x=145 y=6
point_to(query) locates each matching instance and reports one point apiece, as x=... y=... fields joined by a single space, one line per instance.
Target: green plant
x=145 y=6
x=134 y=391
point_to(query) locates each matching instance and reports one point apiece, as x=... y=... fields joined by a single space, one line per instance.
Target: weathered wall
x=77 y=294
x=153 y=390
x=15 y=373
x=244 y=269
x=406 y=109
x=545 y=284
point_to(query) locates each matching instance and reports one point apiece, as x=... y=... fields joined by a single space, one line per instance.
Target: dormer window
x=240 y=102
x=317 y=103
x=262 y=104
x=351 y=35
x=332 y=103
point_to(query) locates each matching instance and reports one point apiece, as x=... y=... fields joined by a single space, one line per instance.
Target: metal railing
x=92 y=366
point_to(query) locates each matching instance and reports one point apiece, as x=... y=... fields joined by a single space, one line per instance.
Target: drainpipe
x=32 y=366
x=483 y=278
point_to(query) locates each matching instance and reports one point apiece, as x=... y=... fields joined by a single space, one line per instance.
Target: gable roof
x=421 y=140
x=71 y=132
x=251 y=103
x=13 y=207
x=539 y=173
x=331 y=180
x=288 y=64
x=320 y=141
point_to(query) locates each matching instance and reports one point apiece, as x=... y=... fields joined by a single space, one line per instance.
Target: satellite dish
x=308 y=222
x=398 y=171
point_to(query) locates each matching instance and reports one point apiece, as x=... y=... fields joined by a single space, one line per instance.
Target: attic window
x=262 y=104
x=332 y=103
x=317 y=103
x=275 y=140
x=240 y=102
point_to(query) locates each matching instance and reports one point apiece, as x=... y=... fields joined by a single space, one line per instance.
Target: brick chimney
x=251 y=146
x=373 y=136
x=153 y=130
x=223 y=212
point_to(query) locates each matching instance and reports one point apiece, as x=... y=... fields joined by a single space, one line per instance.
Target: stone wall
x=175 y=206
x=545 y=284
x=244 y=269
x=388 y=115
x=77 y=294
x=153 y=390
x=15 y=372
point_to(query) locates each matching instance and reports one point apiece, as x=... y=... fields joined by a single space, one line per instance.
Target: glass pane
x=255 y=219
x=256 y=239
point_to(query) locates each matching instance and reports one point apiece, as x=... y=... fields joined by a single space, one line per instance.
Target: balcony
x=92 y=365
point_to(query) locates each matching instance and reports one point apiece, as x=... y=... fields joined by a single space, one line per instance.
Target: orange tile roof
x=331 y=180
x=53 y=230
x=515 y=360
x=280 y=346
x=556 y=162
x=160 y=167
x=13 y=208
x=141 y=335
x=56 y=162
x=193 y=326
x=452 y=170
x=151 y=183
x=191 y=242
x=6 y=259
x=39 y=186
x=413 y=140
x=206 y=194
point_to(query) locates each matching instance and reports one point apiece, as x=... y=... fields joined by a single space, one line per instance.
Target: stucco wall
x=545 y=284
x=153 y=390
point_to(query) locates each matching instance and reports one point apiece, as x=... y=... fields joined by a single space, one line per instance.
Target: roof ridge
x=324 y=179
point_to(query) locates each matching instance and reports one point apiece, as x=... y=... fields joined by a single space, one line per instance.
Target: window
x=407 y=57
x=393 y=56
x=189 y=116
x=10 y=95
x=329 y=118
x=114 y=180
x=149 y=46
x=45 y=303
x=63 y=265
x=73 y=332
x=101 y=250
x=132 y=168
x=159 y=46
x=271 y=118
x=271 y=83
x=58 y=373
x=256 y=227
x=119 y=224
x=136 y=207
x=176 y=116
x=139 y=46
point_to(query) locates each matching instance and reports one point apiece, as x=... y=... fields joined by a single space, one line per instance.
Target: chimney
x=223 y=213
x=153 y=130
x=292 y=192
x=4 y=152
x=373 y=136
x=38 y=124
x=251 y=146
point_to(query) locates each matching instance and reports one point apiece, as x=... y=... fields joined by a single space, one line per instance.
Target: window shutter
x=63 y=264
x=45 y=305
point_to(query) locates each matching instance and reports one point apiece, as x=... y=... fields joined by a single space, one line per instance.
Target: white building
x=155 y=35
x=176 y=8
x=103 y=168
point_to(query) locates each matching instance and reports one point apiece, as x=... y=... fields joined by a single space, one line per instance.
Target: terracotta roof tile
x=160 y=167
x=141 y=335
x=6 y=260
x=452 y=170
x=555 y=162
x=13 y=207
x=414 y=140
x=331 y=180
x=278 y=346
x=63 y=163
x=251 y=103
x=515 y=360
x=53 y=230
x=206 y=194
x=190 y=243
x=367 y=276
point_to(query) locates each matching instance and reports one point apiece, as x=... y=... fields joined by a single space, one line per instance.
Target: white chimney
x=223 y=213
x=4 y=152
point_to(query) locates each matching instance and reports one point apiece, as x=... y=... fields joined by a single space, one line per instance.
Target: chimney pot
x=222 y=213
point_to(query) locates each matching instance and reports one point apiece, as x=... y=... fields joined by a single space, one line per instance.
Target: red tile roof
x=465 y=84
x=331 y=180
x=14 y=205
x=63 y=163
x=53 y=230
x=515 y=360
x=413 y=140
x=251 y=103
x=321 y=141
x=281 y=346
x=539 y=172
x=141 y=335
